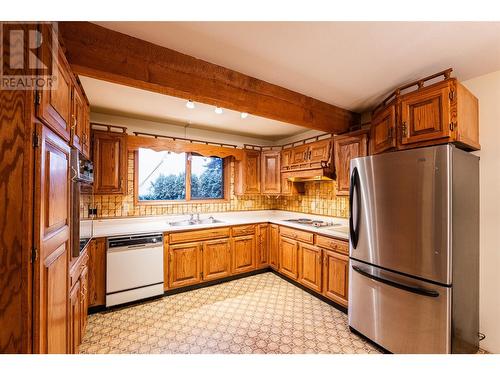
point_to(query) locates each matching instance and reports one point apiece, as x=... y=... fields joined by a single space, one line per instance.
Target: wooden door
x=347 y=147
x=383 y=130
x=262 y=257
x=310 y=271
x=252 y=172
x=425 y=114
x=54 y=106
x=77 y=118
x=274 y=243
x=286 y=157
x=288 y=257
x=243 y=253
x=52 y=213
x=300 y=154
x=97 y=273
x=335 y=277
x=84 y=299
x=216 y=259
x=319 y=151
x=185 y=264
x=75 y=316
x=271 y=176
x=110 y=163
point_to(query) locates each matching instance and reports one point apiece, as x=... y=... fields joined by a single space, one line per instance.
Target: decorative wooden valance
x=178 y=145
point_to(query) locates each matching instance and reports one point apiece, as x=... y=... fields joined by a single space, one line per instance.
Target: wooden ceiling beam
x=97 y=52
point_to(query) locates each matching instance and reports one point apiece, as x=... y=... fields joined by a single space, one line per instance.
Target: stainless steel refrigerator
x=414 y=250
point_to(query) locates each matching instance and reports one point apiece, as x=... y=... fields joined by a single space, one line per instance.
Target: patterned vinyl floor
x=257 y=314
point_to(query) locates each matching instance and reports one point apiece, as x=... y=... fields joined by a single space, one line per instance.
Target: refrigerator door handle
x=354 y=187
x=408 y=288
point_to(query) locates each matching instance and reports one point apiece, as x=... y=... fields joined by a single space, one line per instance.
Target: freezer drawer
x=401 y=314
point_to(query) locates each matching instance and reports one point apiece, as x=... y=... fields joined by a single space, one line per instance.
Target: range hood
x=316 y=174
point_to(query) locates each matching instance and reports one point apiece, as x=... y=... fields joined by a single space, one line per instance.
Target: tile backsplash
x=319 y=198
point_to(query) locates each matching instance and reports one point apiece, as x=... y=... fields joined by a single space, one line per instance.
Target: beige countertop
x=154 y=224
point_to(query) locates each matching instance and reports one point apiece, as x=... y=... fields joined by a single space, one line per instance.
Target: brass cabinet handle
x=404 y=129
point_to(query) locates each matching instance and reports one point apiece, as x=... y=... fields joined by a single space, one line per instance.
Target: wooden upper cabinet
x=86 y=131
x=77 y=118
x=54 y=106
x=336 y=277
x=185 y=266
x=286 y=157
x=288 y=257
x=347 y=147
x=300 y=154
x=383 y=130
x=310 y=266
x=319 y=151
x=216 y=259
x=274 y=243
x=243 y=250
x=425 y=114
x=271 y=172
x=110 y=162
x=247 y=174
x=262 y=253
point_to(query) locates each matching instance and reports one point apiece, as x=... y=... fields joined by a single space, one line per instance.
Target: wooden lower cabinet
x=243 y=254
x=97 y=273
x=310 y=266
x=274 y=244
x=184 y=264
x=84 y=298
x=262 y=251
x=335 y=277
x=288 y=257
x=75 y=317
x=216 y=259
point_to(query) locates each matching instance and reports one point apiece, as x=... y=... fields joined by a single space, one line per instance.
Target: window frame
x=225 y=188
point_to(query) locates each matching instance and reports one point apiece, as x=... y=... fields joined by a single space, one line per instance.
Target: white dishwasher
x=134 y=268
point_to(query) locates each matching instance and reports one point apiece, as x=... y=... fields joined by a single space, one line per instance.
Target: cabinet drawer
x=199 y=235
x=297 y=235
x=243 y=230
x=333 y=244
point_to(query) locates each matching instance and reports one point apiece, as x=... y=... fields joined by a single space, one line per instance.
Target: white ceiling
x=110 y=98
x=349 y=64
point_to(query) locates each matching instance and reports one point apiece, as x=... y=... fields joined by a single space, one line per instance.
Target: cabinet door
x=274 y=243
x=263 y=246
x=97 y=273
x=75 y=313
x=54 y=105
x=288 y=257
x=383 y=130
x=425 y=114
x=216 y=259
x=185 y=264
x=319 y=151
x=243 y=253
x=335 y=277
x=77 y=118
x=310 y=266
x=110 y=163
x=252 y=172
x=86 y=130
x=300 y=154
x=84 y=300
x=271 y=176
x=347 y=147
x=51 y=281
x=286 y=157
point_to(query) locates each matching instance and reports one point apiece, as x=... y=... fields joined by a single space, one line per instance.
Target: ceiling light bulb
x=190 y=104
x=218 y=110
x=244 y=115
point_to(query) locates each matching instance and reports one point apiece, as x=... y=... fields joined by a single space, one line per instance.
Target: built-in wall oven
x=82 y=177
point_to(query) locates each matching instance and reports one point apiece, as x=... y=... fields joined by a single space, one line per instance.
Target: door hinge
x=34 y=254
x=404 y=129
x=36 y=139
x=37 y=98
x=452 y=126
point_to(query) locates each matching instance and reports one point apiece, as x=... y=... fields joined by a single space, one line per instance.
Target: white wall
x=160 y=128
x=487 y=90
